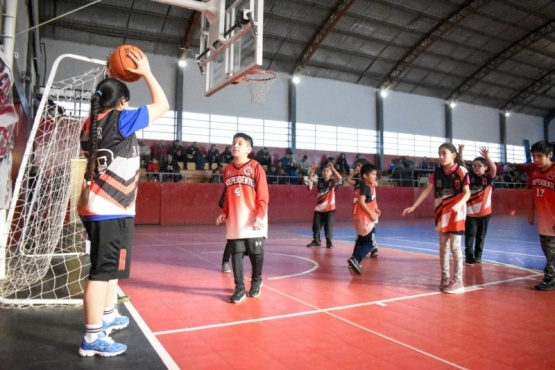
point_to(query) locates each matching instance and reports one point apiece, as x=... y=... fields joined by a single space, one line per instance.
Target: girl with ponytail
x=107 y=202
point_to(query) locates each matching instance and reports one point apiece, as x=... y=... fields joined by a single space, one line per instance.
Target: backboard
x=230 y=42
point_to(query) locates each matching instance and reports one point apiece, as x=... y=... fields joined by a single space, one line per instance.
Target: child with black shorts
x=245 y=213
x=542 y=207
x=365 y=215
x=107 y=202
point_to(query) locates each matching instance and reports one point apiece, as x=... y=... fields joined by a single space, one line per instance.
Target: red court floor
x=314 y=313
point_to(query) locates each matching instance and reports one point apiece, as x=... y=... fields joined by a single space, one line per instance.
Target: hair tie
x=98 y=92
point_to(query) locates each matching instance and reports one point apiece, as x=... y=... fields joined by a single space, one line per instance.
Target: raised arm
x=159 y=104
x=492 y=168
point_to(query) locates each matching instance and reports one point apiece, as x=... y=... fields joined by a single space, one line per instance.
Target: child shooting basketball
x=450 y=184
x=107 y=204
x=245 y=213
x=542 y=207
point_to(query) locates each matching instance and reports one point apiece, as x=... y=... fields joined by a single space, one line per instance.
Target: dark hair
x=108 y=95
x=482 y=160
x=362 y=161
x=453 y=149
x=542 y=147
x=367 y=168
x=244 y=136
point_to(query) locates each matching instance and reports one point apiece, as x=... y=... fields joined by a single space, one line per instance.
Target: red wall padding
x=197 y=204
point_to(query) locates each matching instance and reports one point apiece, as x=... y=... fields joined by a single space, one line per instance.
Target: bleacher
x=189 y=173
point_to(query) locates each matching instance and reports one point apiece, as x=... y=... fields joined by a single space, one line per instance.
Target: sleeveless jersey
x=363 y=223
x=479 y=203
x=325 y=201
x=448 y=188
x=246 y=197
x=113 y=188
x=543 y=188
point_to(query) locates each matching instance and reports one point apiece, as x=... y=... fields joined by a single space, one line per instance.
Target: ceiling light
x=383 y=93
x=182 y=63
x=296 y=79
x=452 y=104
x=506 y=113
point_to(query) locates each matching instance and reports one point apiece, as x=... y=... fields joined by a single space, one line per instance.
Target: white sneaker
x=455 y=288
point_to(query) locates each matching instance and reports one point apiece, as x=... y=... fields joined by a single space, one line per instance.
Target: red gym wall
x=197 y=204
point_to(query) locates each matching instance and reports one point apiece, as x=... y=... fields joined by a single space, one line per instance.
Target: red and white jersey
x=246 y=198
x=325 y=201
x=479 y=203
x=448 y=188
x=363 y=223
x=543 y=188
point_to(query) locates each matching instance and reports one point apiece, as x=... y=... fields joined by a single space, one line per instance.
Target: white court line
x=162 y=353
x=314 y=263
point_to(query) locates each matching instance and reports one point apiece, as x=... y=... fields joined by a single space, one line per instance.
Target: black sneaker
x=329 y=245
x=238 y=296
x=547 y=284
x=354 y=265
x=374 y=252
x=255 y=289
x=313 y=244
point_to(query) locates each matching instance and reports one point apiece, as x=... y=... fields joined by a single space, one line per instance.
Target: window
x=336 y=139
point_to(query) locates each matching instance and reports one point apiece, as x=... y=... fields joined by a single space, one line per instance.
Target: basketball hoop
x=259 y=82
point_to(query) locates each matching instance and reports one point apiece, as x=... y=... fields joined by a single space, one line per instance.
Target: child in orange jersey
x=478 y=207
x=542 y=207
x=107 y=202
x=365 y=215
x=325 y=203
x=245 y=213
x=450 y=184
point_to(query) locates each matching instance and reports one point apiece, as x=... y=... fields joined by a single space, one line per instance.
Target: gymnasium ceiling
x=498 y=54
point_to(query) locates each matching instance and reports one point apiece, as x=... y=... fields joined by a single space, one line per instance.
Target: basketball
x=120 y=61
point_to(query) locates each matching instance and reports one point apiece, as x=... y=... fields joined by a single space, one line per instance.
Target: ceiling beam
x=545 y=80
x=429 y=39
x=494 y=62
x=194 y=23
x=340 y=9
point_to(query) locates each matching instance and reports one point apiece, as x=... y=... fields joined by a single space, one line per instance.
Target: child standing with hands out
x=325 y=204
x=245 y=213
x=542 y=207
x=450 y=184
x=365 y=215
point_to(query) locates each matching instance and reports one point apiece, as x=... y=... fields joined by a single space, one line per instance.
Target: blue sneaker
x=104 y=346
x=118 y=323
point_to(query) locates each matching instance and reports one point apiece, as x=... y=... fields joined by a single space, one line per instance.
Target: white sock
x=92 y=332
x=110 y=314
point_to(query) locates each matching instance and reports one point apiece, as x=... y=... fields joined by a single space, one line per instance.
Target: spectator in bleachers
x=303 y=166
x=216 y=176
x=193 y=154
x=159 y=151
x=153 y=170
x=171 y=169
x=213 y=156
x=283 y=176
x=226 y=156
x=176 y=150
x=264 y=157
x=272 y=174
x=341 y=164
x=286 y=161
x=325 y=162
x=144 y=153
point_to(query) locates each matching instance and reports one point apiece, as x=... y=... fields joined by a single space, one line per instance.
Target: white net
x=259 y=83
x=43 y=251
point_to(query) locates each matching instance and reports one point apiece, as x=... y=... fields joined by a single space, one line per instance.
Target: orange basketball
x=120 y=61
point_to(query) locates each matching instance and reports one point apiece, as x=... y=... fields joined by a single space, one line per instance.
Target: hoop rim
x=270 y=75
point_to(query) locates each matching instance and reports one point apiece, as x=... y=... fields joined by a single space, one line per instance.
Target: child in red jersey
x=365 y=215
x=542 y=207
x=451 y=187
x=245 y=213
x=478 y=207
x=325 y=203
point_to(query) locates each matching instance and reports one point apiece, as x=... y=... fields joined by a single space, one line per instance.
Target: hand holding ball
x=120 y=61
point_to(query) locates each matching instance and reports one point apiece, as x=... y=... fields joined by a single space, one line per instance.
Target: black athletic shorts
x=111 y=246
x=248 y=246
